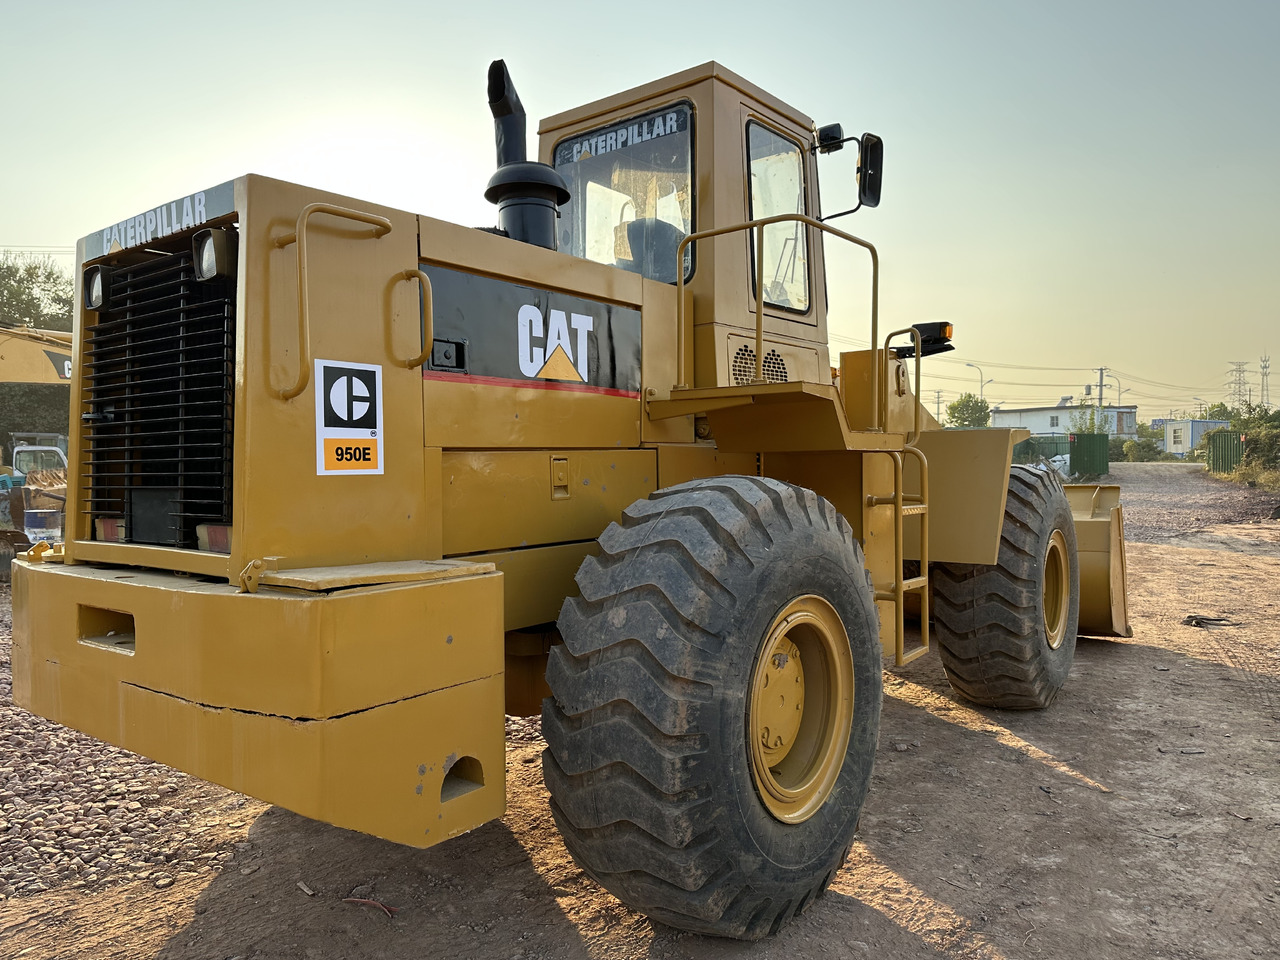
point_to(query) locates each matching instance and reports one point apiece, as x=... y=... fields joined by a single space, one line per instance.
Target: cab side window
x=776 y=166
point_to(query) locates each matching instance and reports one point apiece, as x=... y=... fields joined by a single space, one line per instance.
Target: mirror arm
x=834 y=145
x=842 y=213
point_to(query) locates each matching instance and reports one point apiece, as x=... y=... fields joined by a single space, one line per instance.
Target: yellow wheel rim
x=1057 y=590
x=800 y=709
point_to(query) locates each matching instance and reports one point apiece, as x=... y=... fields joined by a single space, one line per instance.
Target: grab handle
x=427 y=321
x=381 y=227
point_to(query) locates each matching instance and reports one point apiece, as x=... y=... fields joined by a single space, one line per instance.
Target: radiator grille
x=158 y=376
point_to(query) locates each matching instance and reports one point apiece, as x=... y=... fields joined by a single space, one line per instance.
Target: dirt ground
x=1138 y=817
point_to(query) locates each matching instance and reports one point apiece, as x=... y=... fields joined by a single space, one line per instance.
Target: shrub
x=1262 y=447
x=1142 y=451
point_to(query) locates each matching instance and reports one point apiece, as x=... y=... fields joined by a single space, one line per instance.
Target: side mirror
x=870 y=161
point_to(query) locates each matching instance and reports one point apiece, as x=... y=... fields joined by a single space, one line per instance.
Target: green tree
x=32 y=408
x=1086 y=419
x=1219 y=411
x=34 y=293
x=1147 y=432
x=968 y=411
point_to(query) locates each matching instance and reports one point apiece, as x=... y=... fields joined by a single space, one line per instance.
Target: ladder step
x=915 y=583
x=914 y=654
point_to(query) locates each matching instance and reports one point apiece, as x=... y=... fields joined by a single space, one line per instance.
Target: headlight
x=210 y=249
x=97 y=286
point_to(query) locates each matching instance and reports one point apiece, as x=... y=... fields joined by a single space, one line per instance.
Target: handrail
x=381 y=225
x=759 y=225
x=904 y=505
x=884 y=409
x=426 y=318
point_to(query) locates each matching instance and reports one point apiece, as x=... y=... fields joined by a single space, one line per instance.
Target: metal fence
x=1089 y=454
x=1226 y=449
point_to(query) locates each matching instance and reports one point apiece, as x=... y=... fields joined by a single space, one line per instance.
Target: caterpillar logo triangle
x=560 y=367
x=562 y=355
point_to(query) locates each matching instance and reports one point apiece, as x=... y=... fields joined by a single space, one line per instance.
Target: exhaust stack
x=528 y=193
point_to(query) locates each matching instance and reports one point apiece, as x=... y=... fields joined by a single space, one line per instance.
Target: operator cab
x=703 y=150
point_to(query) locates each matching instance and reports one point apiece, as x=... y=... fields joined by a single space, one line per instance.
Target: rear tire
x=1007 y=633
x=716 y=705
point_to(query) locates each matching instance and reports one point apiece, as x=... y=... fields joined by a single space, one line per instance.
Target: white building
x=1182 y=436
x=1122 y=421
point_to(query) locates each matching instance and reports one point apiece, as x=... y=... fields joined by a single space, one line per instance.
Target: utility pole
x=1264 y=396
x=937 y=401
x=1102 y=372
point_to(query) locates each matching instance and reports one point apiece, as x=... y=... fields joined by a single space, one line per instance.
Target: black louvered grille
x=158 y=380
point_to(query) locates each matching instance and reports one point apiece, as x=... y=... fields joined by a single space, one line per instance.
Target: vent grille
x=744 y=366
x=775 y=368
x=158 y=377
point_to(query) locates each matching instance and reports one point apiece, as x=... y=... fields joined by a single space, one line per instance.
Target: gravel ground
x=1163 y=501
x=75 y=812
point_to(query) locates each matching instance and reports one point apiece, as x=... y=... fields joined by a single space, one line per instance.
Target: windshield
x=631 y=187
x=34 y=458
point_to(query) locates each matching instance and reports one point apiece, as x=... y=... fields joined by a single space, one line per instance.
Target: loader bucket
x=1100 y=547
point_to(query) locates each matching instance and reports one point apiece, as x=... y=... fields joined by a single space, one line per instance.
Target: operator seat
x=653 y=249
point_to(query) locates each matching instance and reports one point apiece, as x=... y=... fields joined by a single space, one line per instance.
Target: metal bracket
x=252 y=573
x=44 y=552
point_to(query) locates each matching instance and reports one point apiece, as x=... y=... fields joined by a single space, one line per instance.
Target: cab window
x=776 y=165
x=31 y=460
x=631 y=192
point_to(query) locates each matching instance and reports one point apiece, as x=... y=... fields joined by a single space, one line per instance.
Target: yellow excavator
x=31 y=355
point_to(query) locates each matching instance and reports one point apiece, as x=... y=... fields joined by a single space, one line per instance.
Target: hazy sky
x=1074 y=185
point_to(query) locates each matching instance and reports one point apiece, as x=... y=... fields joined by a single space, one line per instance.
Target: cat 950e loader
x=350 y=483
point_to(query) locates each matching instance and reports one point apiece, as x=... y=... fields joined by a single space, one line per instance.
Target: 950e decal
x=348 y=418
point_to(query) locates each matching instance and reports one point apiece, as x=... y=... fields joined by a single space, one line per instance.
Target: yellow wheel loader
x=348 y=483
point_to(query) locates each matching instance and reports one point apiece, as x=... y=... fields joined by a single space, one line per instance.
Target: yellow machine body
x=342 y=638
x=29 y=355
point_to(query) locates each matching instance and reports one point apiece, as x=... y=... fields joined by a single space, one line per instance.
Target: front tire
x=1007 y=633
x=716 y=705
